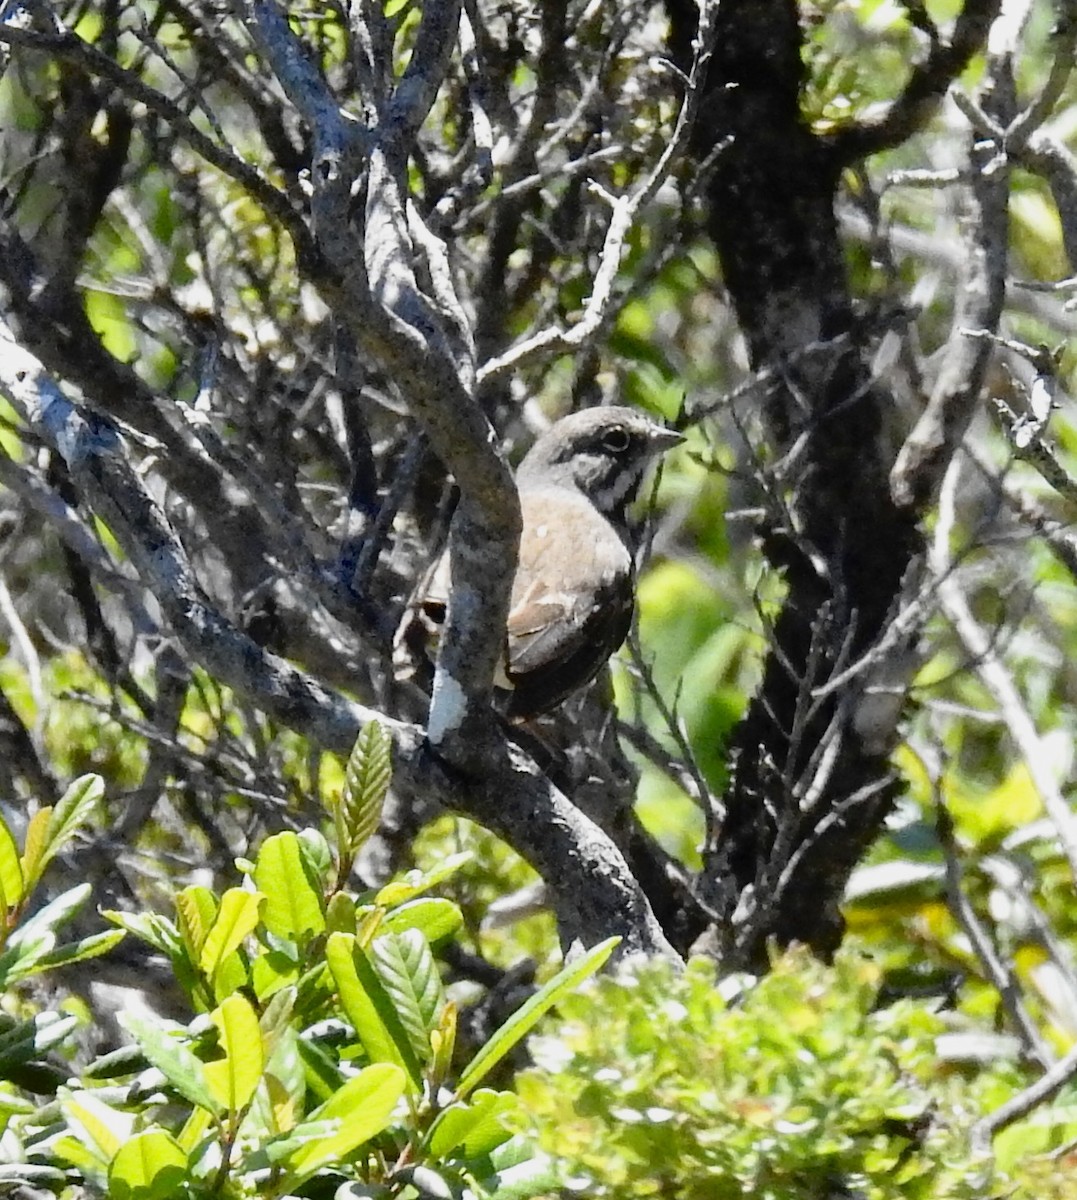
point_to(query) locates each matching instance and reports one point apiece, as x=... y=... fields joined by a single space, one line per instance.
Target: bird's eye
x=615 y=440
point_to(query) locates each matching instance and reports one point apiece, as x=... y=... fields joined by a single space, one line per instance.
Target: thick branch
x=597 y=895
x=375 y=276
x=926 y=87
x=955 y=399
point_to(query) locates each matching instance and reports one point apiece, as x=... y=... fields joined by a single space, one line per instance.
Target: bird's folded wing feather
x=573 y=575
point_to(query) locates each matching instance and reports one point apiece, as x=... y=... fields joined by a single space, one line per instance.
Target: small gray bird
x=574 y=590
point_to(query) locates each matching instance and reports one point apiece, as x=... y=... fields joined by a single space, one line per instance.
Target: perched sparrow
x=574 y=590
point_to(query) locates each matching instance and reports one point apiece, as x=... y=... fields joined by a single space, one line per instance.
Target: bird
x=573 y=594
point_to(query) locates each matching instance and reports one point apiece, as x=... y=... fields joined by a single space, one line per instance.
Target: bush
x=795 y=1085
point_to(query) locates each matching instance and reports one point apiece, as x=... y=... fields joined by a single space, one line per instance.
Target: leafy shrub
x=320 y=1059
x=795 y=1085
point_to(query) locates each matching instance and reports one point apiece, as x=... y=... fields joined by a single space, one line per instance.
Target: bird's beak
x=664 y=439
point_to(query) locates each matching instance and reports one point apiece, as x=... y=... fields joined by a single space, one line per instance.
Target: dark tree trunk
x=809 y=789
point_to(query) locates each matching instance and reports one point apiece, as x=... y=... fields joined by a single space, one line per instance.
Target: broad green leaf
x=416 y=882
x=366 y=783
x=89 y=947
x=528 y=1015
x=320 y=1071
x=37 y=836
x=519 y=1172
x=406 y=966
x=272 y=971
x=276 y=1018
x=234 y=1078
x=368 y=922
x=21 y=958
x=11 y=877
x=195 y=1129
x=73 y=808
x=340 y=913
x=196 y=911
x=285 y=1083
x=36 y=937
x=370 y=1008
x=317 y=856
x=77 y=1151
x=152 y=928
x=54 y=914
x=475 y=1127
x=176 y=1061
x=433 y=916
x=230 y=977
x=27 y=1041
x=237 y=917
x=363 y=1106
x=283 y=1147
x=293 y=908
x=151 y=1166
x=103 y=1129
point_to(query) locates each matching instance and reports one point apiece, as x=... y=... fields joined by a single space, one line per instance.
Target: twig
x=597 y=311
x=996 y=678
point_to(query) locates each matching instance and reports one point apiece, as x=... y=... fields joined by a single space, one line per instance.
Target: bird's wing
x=573 y=594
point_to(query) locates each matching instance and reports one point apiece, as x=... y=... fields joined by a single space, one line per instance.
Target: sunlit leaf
x=525 y=1018
x=237 y=917
x=176 y=1061
x=363 y=1107
x=150 y=1166
x=293 y=908
x=370 y=1008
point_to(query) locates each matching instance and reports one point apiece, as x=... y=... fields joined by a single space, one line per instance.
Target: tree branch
x=597 y=895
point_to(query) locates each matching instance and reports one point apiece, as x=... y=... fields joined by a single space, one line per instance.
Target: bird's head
x=601 y=452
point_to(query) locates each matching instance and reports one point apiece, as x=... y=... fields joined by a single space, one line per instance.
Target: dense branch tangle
x=352 y=246
x=366 y=274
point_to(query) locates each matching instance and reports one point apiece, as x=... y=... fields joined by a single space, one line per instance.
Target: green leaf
x=36 y=938
x=276 y=1018
x=174 y=1060
x=11 y=876
x=89 y=947
x=416 y=882
x=35 y=842
x=520 y=1173
x=363 y=1106
x=73 y=809
x=157 y=931
x=317 y=856
x=91 y=1164
x=369 y=1007
x=475 y=1127
x=238 y=916
x=272 y=971
x=54 y=914
x=366 y=783
x=102 y=1130
x=293 y=908
x=150 y=1166
x=433 y=916
x=320 y=1071
x=406 y=966
x=234 y=1078
x=526 y=1017
x=196 y=910
x=340 y=913
x=29 y=1040
x=281 y=1102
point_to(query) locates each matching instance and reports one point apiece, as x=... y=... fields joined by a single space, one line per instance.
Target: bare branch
x=927 y=85
x=599 y=309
